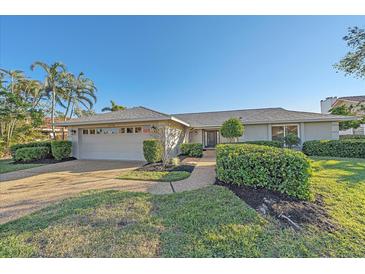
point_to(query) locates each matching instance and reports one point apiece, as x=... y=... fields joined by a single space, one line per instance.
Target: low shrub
x=152 y=150
x=282 y=170
x=291 y=140
x=345 y=137
x=14 y=148
x=278 y=144
x=349 y=148
x=61 y=149
x=29 y=154
x=192 y=150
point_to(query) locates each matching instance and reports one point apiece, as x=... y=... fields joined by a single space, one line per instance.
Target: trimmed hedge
x=346 y=137
x=152 y=150
x=61 y=149
x=282 y=170
x=192 y=150
x=349 y=148
x=28 y=154
x=14 y=148
x=278 y=144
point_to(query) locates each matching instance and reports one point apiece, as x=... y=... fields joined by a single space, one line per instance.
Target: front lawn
x=160 y=176
x=8 y=166
x=210 y=222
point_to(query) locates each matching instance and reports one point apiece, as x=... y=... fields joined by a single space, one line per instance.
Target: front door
x=211 y=138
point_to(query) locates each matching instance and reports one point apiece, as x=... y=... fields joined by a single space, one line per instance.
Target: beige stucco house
x=120 y=134
x=357 y=104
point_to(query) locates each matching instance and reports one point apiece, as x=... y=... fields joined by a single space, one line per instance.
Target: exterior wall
x=175 y=135
x=307 y=132
x=255 y=133
x=74 y=138
x=320 y=131
x=196 y=136
x=327 y=103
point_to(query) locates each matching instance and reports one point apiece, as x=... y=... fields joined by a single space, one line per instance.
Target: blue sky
x=191 y=63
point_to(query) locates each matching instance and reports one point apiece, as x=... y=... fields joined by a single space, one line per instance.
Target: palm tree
x=80 y=92
x=113 y=107
x=52 y=85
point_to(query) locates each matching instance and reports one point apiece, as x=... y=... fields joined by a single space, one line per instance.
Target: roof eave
x=335 y=119
x=81 y=123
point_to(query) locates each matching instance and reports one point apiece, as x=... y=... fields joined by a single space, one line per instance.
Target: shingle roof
x=256 y=116
x=127 y=115
x=207 y=119
x=360 y=98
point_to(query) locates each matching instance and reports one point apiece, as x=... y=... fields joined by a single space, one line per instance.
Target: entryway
x=211 y=138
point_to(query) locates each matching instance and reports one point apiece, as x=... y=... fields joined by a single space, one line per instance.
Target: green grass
x=210 y=222
x=159 y=176
x=8 y=166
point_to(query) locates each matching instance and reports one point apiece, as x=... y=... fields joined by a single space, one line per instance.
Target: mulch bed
x=46 y=161
x=161 y=167
x=288 y=211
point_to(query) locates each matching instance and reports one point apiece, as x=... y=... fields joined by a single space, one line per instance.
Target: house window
x=129 y=130
x=99 y=131
x=110 y=130
x=122 y=130
x=137 y=130
x=73 y=132
x=147 y=129
x=85 y=131
x=280 y=131
x=92 y=131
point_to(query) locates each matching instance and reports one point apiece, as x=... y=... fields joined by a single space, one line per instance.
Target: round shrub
x=282 y=170
x=349 y=148
x=231 y=129
x=192 y=150
x=152 y=150
x=61 y=149
x=29 y=154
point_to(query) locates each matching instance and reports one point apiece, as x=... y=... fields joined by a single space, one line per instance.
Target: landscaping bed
x=287 y=210
x=159 y=172
x=47 y=161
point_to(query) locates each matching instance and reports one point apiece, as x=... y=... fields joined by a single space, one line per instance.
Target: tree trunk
x=53 y=111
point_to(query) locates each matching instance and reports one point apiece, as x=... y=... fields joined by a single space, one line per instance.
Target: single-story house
x=120 y=134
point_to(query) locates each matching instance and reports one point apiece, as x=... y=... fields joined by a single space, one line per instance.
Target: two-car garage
x=125 y=143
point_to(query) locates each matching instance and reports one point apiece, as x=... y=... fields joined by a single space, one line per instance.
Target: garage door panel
x=113 y=147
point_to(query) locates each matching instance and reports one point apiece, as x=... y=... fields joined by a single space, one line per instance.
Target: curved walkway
x=202 y=175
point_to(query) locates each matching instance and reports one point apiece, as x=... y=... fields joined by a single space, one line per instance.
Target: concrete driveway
x=25 y=191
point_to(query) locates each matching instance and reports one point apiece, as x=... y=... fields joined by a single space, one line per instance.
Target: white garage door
x=111 y=144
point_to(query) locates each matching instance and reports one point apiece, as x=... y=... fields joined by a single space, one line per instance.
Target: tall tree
x=113 y=107
x=53 y=85
x=80 y=94
x=353 y=63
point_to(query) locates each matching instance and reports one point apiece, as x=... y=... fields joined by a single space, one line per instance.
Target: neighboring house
x=46 y=128
x=120 y=134
x=350 y=101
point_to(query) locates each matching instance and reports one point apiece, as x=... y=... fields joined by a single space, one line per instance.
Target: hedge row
x=57 y=149
x=192 y=150
x=345 y=137
x=14 y=148
x=282 y=170
x=349 y=148
x=29 y=154
x=152 y=150
x=278 y=144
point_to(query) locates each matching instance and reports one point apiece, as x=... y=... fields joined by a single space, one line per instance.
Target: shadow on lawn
x=344 y=170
